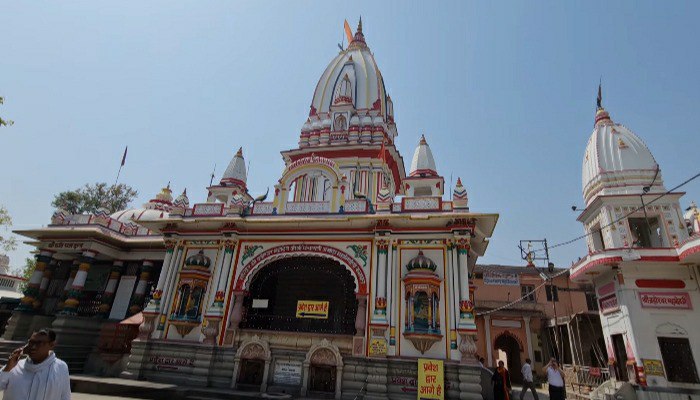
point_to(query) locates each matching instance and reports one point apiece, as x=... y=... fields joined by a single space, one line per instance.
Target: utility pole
x=542 y=254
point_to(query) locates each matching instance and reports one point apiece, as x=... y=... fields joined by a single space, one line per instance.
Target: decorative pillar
x=45 y=279
x=165 y=271
x=360 y=318
x=380 y=298
x=468 y=349
x=466 y=307
x=69 y=284
x=237 y=312
x=168 y=288
x=528 y=336
x=140 y=292
x=215 y=311
x=70 y=307
x=489 y=350
x=29 y=302
x=108 y=295
x=393 y=296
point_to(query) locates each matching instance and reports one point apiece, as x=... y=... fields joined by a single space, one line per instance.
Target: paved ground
x=85 y=396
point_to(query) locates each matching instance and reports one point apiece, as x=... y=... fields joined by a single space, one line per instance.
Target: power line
x=568 y=242
x=566 y=270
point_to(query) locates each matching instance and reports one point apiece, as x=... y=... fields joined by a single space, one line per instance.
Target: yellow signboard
x=312 y=309
x=431 y=379
x=377 y=347
x=653 y=367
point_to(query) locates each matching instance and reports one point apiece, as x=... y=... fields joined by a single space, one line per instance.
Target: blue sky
x=504 y=92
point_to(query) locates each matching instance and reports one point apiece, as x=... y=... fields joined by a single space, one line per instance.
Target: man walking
x=41 y=376
x=528 y=382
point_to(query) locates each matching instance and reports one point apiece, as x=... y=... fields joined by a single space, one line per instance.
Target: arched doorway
x=277 y=287
x=506 y=343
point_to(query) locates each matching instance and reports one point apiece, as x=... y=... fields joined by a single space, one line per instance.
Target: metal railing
x=582 y=381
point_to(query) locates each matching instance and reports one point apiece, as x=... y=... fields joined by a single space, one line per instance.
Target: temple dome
x=156 y=208
x=421 y=262
x=423 y=163
x=198 y=261
x=352 y=77
x=235 y=172
x=617 y=161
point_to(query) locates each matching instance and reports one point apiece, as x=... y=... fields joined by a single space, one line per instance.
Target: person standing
x=555 y=378
x=41 y=376
x=528 y=381
x=501 y=382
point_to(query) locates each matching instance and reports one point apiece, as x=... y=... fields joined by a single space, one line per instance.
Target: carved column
x=45 y=279
x=69 y=284
x=167 y=292
x=489 y=349
x=528 y=335
x=468 y=349
x=361 y=317
x=466 y=307
x=108 y=295
x=70 y=306
x=140 y=292
x=215 y=311
x=30 y=300
x=380 y=298
x=165 y=271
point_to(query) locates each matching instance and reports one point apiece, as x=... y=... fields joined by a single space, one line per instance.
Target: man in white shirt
x=528 y=382
x=555 y=378
x=41 y=376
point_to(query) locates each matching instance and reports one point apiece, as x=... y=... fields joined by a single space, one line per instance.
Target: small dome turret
x=198 y=261
x=423 y=163
x=235 y=172
x=421 y=262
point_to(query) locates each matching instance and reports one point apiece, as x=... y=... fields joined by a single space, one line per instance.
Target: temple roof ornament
x=423 y=163
x=617 y=161
x=155 y=209
x=459 y=195
x=198 y=261
x=421 y=262
x=182 y=200
x=235 y=172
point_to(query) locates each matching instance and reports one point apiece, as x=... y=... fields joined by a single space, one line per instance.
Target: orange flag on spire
x=382 y=153
x=348 y=31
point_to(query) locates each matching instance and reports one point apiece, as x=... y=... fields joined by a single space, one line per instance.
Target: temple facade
x=643 y=256
x=334 y=281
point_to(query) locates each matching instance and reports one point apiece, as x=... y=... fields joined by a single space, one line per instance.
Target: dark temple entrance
x=511 y=348
x=276 y=289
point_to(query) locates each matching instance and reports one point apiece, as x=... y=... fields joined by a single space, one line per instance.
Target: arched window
x=343 y=92
x=340 y=123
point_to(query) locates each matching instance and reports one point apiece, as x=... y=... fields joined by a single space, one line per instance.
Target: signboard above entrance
x=312 y=309
x=495 y=278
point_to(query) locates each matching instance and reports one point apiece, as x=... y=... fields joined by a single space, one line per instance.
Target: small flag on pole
x=124 y=156
x=348 y=31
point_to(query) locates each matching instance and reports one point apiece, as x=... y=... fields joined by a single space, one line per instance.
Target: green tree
x=90 y=198
x=5 y=122
x=26 y=272
x=6 y=243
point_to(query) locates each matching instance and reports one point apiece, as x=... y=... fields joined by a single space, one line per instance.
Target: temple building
x=643 y=256
x=333 y=282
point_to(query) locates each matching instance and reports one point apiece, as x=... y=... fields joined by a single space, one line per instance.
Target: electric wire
x=566 y=270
